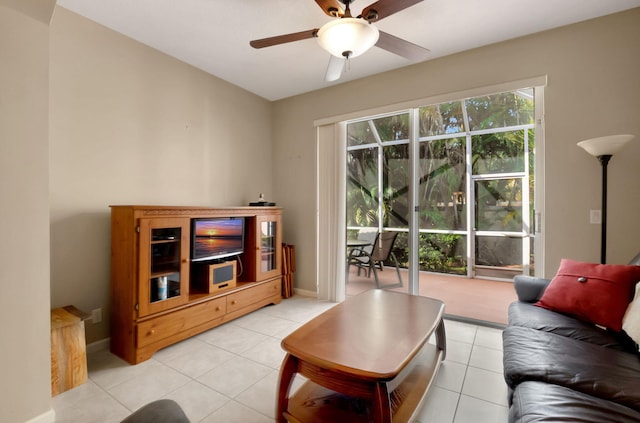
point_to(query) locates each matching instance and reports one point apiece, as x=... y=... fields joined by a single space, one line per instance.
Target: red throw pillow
x=597 y=293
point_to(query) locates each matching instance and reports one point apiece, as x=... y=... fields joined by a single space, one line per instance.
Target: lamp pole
x=604 y=161
x=603 y=148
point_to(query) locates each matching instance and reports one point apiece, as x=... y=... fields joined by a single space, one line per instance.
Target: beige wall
x=593 y=90
x=130 y=125
x=25 y=388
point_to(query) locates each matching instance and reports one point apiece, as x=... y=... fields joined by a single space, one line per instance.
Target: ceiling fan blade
x=331 y=8
x=335 y=68
x=384 y=8
x=282 y=39
x=402 y=47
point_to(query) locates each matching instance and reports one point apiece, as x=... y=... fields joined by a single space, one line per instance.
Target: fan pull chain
x=347 y=54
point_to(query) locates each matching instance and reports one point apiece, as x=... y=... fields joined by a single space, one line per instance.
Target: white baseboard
x=305 y=293
x=48 y=417
x=100 y=345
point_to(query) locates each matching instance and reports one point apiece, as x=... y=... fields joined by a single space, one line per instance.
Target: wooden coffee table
x=366 y=359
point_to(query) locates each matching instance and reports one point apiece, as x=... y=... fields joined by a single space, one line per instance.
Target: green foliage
x=442 y=253
x=500 y=110
x=442 y=172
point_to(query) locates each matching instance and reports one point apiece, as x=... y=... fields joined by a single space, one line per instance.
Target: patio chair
x=369 y=235
x=373 y=259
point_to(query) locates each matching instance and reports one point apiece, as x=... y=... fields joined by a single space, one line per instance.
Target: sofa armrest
x=528 y=288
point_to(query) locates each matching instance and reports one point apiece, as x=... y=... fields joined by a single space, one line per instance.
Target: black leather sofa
x=561 y=369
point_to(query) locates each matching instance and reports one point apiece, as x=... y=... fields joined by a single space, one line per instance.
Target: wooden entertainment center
x=159 y=296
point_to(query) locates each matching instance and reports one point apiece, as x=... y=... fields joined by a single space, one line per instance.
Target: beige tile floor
x=229 y=374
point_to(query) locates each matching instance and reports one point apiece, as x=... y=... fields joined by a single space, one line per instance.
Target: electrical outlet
x=595 y=217
x=96 y=315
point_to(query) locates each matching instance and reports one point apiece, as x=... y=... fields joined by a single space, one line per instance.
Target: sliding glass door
x=437 y=160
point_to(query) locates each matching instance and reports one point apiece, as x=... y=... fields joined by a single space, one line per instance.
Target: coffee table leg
x=381 y=404
x=288 y=370
x=441 y=339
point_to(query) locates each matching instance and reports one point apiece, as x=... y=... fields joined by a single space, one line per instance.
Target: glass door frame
x=330 y=228
x=529 y=229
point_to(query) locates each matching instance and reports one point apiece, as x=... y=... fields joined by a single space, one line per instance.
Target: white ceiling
x=214 y=35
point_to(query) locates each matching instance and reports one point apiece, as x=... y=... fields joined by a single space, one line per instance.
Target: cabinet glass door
x=164 y=248
x=165 y=264
x=268 y=246
x=270 y=250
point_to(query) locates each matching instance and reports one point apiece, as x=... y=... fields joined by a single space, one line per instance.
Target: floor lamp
x=603 y=148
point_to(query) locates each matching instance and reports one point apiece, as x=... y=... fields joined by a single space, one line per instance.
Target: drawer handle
x=152 y=331
x=218 y=308
x=234 y=302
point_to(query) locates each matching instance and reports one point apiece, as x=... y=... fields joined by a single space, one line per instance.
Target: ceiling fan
x=346 y=36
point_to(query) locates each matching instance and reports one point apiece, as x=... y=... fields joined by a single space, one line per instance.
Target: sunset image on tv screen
x=217 y=237
x=219 y=228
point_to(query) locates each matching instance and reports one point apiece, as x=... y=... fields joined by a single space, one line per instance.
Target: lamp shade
x=347 y=37
x=605 y=146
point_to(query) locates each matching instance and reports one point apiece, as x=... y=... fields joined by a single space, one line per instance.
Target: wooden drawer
x=164 y=326
x=247 y=297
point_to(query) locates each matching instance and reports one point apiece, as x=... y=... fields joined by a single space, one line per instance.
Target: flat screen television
x=216 y=237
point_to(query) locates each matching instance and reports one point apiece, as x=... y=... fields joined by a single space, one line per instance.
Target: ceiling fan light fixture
x=347 y=37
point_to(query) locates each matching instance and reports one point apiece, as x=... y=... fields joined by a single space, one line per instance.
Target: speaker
x=222 y=275
x=217 y=277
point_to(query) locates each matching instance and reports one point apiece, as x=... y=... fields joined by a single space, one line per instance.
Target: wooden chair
x=371 y=260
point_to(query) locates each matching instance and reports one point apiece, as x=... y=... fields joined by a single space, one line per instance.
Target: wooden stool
x=68 y=349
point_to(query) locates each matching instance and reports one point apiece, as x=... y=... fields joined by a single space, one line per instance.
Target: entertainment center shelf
x=179 y=271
